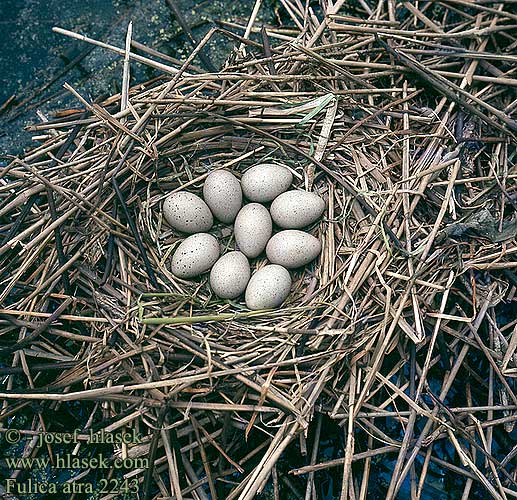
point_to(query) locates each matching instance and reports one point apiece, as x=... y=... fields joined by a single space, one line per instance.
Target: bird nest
x=382 y=335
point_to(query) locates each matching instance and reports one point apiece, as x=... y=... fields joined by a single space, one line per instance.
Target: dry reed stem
x=401 y=335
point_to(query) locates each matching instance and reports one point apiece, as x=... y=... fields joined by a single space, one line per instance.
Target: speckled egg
x=253 y=227
x=195 y=255
x=268 y=287
x=223 y=194
x=293 y=248
x=230 y=275
x=295 y=209
x=265 y=182
x=187 y=212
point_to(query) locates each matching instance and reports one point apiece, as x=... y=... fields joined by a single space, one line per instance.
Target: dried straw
x=402 y=333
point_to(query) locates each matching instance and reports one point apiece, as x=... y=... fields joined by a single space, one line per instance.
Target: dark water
x=32 y=55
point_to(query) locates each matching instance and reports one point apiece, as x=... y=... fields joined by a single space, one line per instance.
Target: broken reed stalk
x=403 y=333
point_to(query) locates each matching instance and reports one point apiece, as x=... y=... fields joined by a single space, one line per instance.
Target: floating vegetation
x=394 y=357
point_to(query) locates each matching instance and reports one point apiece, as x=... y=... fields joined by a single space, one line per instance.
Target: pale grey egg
x=296 y=209
x=195 y=255
x=253 y=228
x=268 y=287
x=187 y=213
x=230 y=275
x=265 y=182
x=292 y=248
x=223 y=194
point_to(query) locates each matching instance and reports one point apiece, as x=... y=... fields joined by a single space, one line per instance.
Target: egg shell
x=268 y=287
x=296 y=209
x=187 y=213
x=292 y=248
x=195 y=255
x=230 y=275
x=223 y=194
x=253 y=228
x=265 y=182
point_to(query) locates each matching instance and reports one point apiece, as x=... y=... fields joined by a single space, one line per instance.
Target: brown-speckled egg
x=268 y=287
x=296 y=209
x=230 y=275
x=292 y=248
x=223 y=194
x=265 y=182
x=252 y=229
x=187 y=213
x=195 y=255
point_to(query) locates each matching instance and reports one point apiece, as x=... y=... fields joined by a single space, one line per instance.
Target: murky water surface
x=35 y=61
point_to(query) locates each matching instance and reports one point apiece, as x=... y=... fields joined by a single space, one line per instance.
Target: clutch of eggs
x=230 y=274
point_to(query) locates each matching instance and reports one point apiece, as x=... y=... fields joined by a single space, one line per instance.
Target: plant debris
x=400 y=339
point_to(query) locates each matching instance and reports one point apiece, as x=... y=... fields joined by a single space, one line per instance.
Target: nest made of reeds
x=399 y=341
